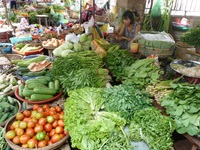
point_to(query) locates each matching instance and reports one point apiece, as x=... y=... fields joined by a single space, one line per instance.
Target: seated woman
x=129 y=30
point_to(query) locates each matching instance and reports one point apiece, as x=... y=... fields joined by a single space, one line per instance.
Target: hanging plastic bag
x=156 y=11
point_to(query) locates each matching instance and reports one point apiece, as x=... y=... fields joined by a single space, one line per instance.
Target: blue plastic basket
x=6 y=47
x=15 y=40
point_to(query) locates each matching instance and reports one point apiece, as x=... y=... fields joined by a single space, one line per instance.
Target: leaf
x=181 y=130
x=193 y=109
x=186 y=115
x=192 y=130
x=186 y=122
x=197 y=95
x=179 y=111
x=193 y=119
x=197 y=123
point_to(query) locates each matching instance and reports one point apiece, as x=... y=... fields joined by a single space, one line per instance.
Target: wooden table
x=42 y=17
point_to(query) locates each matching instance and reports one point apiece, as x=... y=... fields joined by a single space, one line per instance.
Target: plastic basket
x=6 y=47
x=161 y=53
x=15 y=40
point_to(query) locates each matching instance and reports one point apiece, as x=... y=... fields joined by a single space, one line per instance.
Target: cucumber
x=112 y=48
x=21 y=87
x=57 y=84
x=51 y=85
x=10 y=100
x=41 y=90
x=39 y=73
x=1 y=110
x=4 y=105
x=48 y=78
x=32 y=86
x=4 y=117
x=33 y=81
x=6 y=110
x=117 y=47
x=23 y=70
x=1 y=98
x=27 y=92
x=39 y=97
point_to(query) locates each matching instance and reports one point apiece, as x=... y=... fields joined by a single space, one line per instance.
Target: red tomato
x=30 y=132
x=40 y=109
x=52 y=132
x=58 y=109
x=23 y=124
x=34 y=119
x=59 y=129
x=32 y=143
x=27 y=113
x=61 y=116
x=27 y=119
x=62 y=112
x=33 y=113
x=16 y=124
x=49 y=142
x=45 y=114
x=10 y=134
x=56 y=116
x=62 y=135
x=25 y=145
x=42 y=121
x=36 y=106
x=31 y=124
x=19 y=131
x=42 y=143
x=39 y=115
x=48 y=127
x=52 y=109
x=55 y=138
x=19 y=116
x=38 y=128
x=52 y=112
x=65 y=132
x=24 y=138
x=50 y=119
x=55 y=124
x=61 y=123
x=47 y=138
x=11 y=127
x=45 y=106
x=16 y=140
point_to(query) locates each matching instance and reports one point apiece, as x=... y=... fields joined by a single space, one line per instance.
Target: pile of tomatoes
x=37 y=128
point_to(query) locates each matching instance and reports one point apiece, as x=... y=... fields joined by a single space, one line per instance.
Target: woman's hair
x=130 y=15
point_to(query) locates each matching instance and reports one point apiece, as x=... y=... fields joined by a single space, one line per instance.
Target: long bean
x=3 y=143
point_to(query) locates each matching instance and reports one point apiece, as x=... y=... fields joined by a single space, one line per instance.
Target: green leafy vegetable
x=142 y=72
x=116 y=60
x=151 y=126
x=126 y=100
x=183 y=105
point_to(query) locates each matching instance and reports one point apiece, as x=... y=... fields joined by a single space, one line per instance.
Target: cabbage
x=83 y=38
x=77 y=47
x=85 y=47
x=88 y=43
x=57 y=51
x=66 y=52
x=67 y=45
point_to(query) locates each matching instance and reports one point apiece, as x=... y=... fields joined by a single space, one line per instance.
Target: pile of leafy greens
x=80 y=69
x=125 y=100
x=116 y=60
x=152 y=127
x=142 y=72
x=89 y=126
x=184 y=106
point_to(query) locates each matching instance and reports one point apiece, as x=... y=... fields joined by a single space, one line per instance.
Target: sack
x=156 y=10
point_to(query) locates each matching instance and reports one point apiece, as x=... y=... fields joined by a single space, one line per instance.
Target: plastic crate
x=6 y=47
x=15 y=40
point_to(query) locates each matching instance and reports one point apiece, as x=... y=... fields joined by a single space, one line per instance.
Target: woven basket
x=161 y=53
x=101 y=18
x=54 y=146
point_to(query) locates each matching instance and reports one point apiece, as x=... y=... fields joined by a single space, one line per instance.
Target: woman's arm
x=121 y=32
x=137 y=29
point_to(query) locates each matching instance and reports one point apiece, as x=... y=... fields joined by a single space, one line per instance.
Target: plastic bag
x=156 y=10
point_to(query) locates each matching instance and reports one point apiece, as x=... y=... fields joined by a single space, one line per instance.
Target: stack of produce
x=37 y=128
x=159 y=90
x=91 y=128
x=80 y=69
x=8 y=108
x=142 y=72
x=83 y=44
x=21 y=47
x=39 y=88
x=183 y=105
x=152 y=127
x=25 y=66
x=126 y=100
x=52 y=42
x=117 y=60
x=8 y=83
